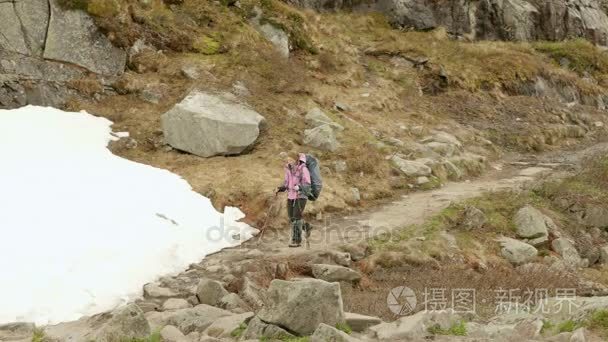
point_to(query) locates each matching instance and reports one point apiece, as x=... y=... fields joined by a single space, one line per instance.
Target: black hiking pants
x=295 y=208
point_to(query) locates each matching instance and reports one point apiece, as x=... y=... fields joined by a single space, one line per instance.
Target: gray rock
x=321 y=137
x=357 y=251
x=422 y=180
x=568 y=252
x=259 y=329
x=240 y=89
x=355 y=195
x=233 y=302
x=207 y=125
x=333 y=273
x=197 y=318
x=176 y=304
x=443 y=138
x=171 y=334
x=517 y=252
x=531 y=223
x=473 y=218
x=444 y=149
x=153 y=290
x=210 y=291
x=359 y=322
x=223 y=327
x=190 y=72
x=128 y=322
x=12 y=37
x=414 y=327
x=491 y=19
x=604 y=255
x=325 y=333
x=73 y=37
x=300 y=306
x=316 y=117
x=276 y=36
x=253 y=294
x=411 y=168
x=340 y=166
x=596 y=216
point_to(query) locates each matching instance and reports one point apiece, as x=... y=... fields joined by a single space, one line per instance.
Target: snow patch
x=82 y=229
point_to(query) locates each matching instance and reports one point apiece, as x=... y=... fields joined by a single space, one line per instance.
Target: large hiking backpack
x=316 y=182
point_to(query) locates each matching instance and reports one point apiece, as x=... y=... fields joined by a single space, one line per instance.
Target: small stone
x=333 y=273
x=340 y=166
x=422 y=180
x=341 y=107
x=356 y=196
x=190 y=71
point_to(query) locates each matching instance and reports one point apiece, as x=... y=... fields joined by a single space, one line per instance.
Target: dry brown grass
x=371 y=299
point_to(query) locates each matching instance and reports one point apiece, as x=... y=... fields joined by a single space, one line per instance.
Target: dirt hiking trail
x=410 y=209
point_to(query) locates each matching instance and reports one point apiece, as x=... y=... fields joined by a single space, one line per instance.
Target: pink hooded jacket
x=296 y=177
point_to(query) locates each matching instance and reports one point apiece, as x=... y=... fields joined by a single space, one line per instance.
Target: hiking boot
x=294 y=244
x=307 y=229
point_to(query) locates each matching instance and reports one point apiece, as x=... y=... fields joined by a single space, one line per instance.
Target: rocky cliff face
x=520 y=20
x=43 y=46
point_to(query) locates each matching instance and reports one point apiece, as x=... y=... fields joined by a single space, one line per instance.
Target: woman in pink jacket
x=297 y=185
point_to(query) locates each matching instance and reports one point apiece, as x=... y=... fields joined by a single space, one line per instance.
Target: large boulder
x=206 y=124
x=333 y=273
x=210 y=291
x=301 y=305
x=73 y=37
x=532 y=224
x=517 y=252
x=253 y=294
x=125 y=323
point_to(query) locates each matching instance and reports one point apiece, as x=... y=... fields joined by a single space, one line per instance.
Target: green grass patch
x=567 y=326
x=580 y=53
x=236 y=333
x=344 y=328
x=457 y=329
x=547 y=326
x=598 y=321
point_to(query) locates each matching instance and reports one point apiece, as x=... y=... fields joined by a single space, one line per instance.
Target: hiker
x=297 y=185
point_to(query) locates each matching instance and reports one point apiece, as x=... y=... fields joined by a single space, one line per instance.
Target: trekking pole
x=268 y=212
